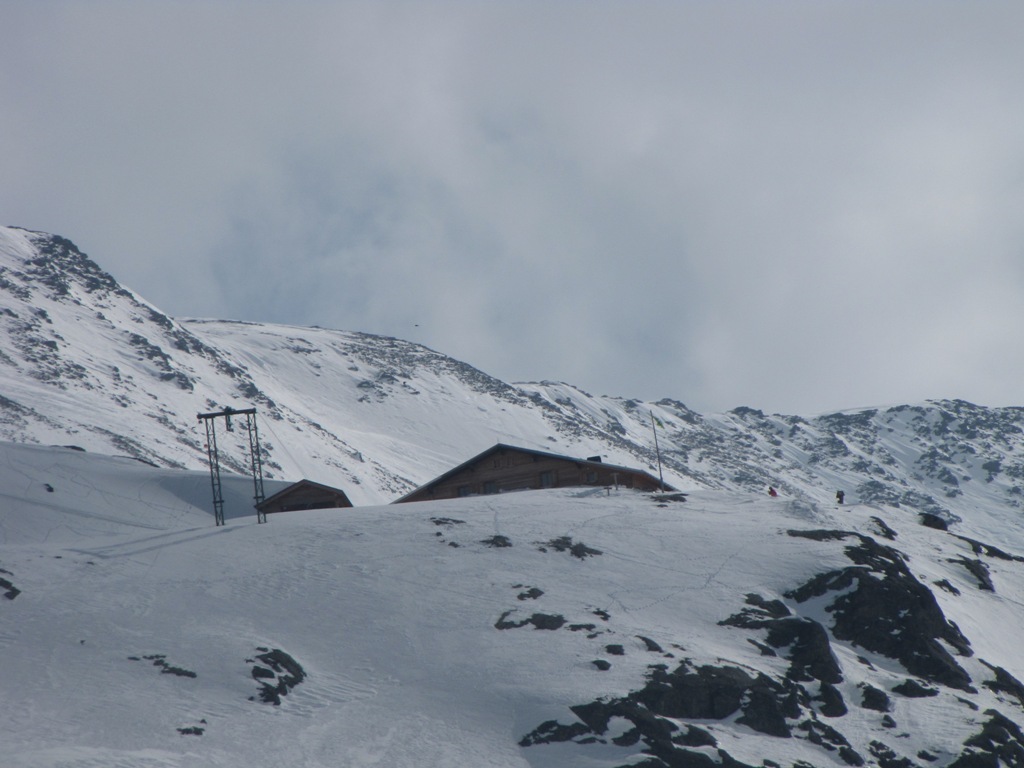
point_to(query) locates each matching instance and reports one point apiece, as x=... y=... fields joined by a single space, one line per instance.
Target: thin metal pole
x=657 y=450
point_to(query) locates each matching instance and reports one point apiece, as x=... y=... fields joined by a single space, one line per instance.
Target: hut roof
x=497 y=447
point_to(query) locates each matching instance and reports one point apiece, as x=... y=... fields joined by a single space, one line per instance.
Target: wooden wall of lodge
x=510 y=471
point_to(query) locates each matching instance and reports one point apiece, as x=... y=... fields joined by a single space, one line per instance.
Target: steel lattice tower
x=210 y=421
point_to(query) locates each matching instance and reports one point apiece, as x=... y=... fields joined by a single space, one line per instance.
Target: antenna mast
x=210 y=421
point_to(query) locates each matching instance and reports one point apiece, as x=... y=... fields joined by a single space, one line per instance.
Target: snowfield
x=444 y=633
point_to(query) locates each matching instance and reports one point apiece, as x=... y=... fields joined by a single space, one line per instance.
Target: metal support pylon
x=257 y=465
x=211 y=453
x=209 y=419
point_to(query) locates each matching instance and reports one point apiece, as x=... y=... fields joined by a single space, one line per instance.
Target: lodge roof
x=529 y=451
x=289 y=490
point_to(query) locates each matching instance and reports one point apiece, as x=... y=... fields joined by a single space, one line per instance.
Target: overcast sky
x=794 y=206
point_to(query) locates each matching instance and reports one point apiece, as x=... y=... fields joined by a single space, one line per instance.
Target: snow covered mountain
x=85 y=361
x=569 y=628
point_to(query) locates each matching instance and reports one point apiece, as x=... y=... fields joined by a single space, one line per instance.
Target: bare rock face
x=280 y=674
x=1000 y=742
x=705 y=693
x=881 y=607
x=807 y=641
x=714 y=693
x=876 y=604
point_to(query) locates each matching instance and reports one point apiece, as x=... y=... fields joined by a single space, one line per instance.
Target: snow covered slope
x=545 y=629
x=85 y=361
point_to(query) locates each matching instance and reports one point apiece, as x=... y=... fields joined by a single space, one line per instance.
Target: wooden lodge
x=505 y=468
x=305 y=494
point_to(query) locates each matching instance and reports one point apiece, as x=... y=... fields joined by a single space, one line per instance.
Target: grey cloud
x=795 y=206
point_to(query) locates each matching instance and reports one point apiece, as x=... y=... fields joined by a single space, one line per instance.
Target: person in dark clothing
x=772 y=492
x=840 y=496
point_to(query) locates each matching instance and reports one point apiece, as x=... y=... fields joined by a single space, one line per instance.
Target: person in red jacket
x=772 y=492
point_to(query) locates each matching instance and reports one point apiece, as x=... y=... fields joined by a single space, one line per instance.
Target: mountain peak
x=59 y=263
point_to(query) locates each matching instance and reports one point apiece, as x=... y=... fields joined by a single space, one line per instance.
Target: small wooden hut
x=305 y=494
